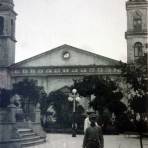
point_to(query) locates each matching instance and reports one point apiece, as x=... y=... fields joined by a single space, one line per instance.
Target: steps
x=29 y=138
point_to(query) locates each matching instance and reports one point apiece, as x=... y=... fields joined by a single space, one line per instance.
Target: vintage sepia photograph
x=73 y=73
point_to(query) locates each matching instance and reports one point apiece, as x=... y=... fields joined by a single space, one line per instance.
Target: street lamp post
x=74 y=97
x=138 y=119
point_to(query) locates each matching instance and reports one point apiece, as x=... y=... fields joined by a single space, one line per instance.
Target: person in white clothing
x=87 y=121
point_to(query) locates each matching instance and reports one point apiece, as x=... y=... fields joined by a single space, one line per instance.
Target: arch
x=137 y=21
x=138 y=51
x=1 y=25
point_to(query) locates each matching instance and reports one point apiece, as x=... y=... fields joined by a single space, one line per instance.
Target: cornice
x=133 y=5
x=65 y=70
x=7 y=36
x=136 y=3
x=62 y=66
x=133 y=33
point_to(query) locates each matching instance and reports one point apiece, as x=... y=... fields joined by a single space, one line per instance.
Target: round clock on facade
x=66 y=55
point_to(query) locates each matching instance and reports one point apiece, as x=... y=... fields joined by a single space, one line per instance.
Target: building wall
x=136 y=9
x=130 y=46
x=51 y=83
x=7 y=41
x=5 y=79
x=55 y=82
x=131 y=12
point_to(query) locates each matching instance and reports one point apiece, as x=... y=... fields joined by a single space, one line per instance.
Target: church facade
x=57 y=68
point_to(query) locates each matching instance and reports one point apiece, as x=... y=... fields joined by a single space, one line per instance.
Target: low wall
x=9 y=138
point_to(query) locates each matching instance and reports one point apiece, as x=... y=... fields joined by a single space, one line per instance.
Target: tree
x=63 y=109
x=135 y=78
x=105 y=90
x=30 y=93
x=136 y=86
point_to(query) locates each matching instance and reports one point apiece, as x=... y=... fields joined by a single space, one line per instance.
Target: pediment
x=66 y=55
x=65 y=90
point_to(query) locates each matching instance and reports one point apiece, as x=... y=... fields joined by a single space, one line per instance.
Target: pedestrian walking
x=93 y=137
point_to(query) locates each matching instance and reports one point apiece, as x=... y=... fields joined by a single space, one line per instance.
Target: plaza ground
x=110 y=141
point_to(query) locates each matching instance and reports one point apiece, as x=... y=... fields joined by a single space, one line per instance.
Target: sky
x=94 y=25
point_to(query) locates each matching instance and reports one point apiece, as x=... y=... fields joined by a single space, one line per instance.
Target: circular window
x=66 y=55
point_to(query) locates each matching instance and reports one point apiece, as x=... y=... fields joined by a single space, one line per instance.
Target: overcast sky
x=94 y=25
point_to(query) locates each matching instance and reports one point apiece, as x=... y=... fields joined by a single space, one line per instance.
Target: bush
x=123 y=123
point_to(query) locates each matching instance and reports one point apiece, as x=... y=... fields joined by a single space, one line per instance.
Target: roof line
x=64 y=45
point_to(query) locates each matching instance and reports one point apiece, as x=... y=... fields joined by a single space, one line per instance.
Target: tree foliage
x=29 y=89
x=31 y=94
x=63 y=108
x=137 y=86
x=105 y=91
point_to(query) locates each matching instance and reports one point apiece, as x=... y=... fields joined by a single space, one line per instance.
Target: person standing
x=87 y=121
x=93 y=137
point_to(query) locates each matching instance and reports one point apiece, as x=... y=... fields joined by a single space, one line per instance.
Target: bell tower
x=7 y=41
x=137 y=29
x=7 y=33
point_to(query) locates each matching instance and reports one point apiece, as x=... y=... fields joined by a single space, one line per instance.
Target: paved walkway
x=67 y=141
